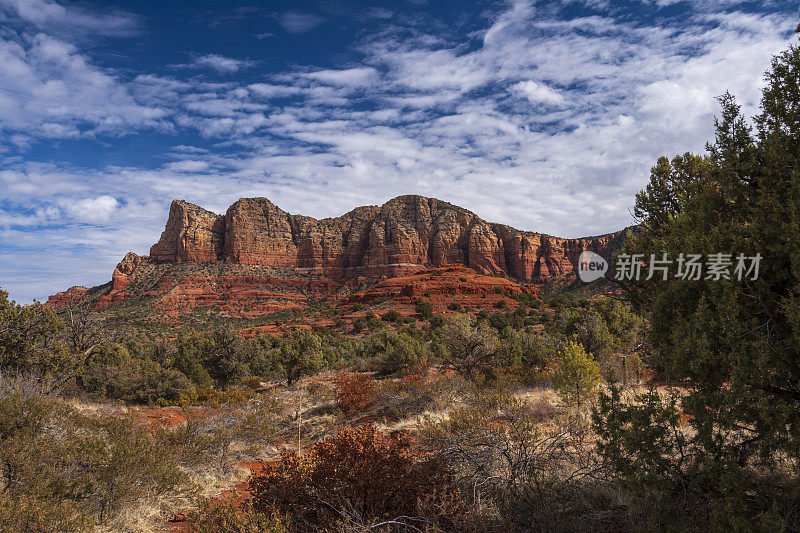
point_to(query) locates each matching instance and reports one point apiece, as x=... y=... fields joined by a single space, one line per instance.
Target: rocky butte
x=406 y=234
x=256 y=246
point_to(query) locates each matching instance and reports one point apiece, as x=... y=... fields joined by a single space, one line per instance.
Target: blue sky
x=543 y=115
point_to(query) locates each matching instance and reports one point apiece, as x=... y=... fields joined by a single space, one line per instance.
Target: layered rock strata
x=405 y=235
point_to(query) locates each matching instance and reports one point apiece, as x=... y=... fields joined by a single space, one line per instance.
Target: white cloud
x=538 y=93
x=188 y=165
x=348 y=77
x=93 y=210
x=51 y=16
x=220 y=64
x=48 y=88
x=297 y=22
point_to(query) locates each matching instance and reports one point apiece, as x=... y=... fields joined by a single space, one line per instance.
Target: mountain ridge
x=401 y=235
x=258 y=259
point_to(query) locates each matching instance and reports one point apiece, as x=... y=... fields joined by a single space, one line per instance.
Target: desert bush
x=301 y=354
x=359 y=475
x=228 y=356
x=234 y=516
x=577 y=375
x=471 y=347
x=391 y=316
x=116 y=374
x=436 y=321
x=414 y=394
x=252 y=383
x=541 y=410
x=675 y=484
x=591 y=332
x=624 y=369
x=424 y=309
x=318 y=392
x=626 y=327
x=30 y=514
x=535 y=479
x=454 y=306
x=29 y=339
x=532 y=376
x=75 y=468
x=510 y=351
x=216 y=437
x=538 y=350
x=355 y=392
x=189 y=360
x=396 y=351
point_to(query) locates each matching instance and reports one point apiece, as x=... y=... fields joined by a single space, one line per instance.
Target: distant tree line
x=77 y=352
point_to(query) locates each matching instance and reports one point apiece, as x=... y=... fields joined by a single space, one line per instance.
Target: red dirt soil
x=164 y=417
x=444 y=286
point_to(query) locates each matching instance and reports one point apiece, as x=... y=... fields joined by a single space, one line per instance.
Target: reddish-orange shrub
x=355 y=392
x=229 y=515
x=360 y=472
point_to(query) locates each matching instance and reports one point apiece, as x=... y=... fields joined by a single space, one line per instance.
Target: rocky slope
x=406 y=234
x=257 y=259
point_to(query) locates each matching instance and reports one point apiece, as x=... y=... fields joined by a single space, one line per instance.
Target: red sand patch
x=164 y=417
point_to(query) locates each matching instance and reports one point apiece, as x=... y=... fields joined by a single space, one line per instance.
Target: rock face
x=67 y=298
x=405 y=235
x=120 y=280
x=192 y=235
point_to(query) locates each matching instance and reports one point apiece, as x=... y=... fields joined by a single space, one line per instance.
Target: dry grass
x=217 y=444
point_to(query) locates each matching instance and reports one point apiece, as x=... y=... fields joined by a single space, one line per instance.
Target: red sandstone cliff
x=192 y=235
x=258 y=258
x=404 y=235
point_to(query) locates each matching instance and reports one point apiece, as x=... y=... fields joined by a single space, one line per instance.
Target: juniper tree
x=736 y=340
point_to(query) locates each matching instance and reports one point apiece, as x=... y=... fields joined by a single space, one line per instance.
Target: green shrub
x=19 y=512
x=301 y=354
x=75 y=468
x=391 y=316
x=534 y=479
x=424 y=309
x=471 y=347
x=394 y=351
x=29 y=338
x=132 y=380
x=577 y=376
x=436 y=321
